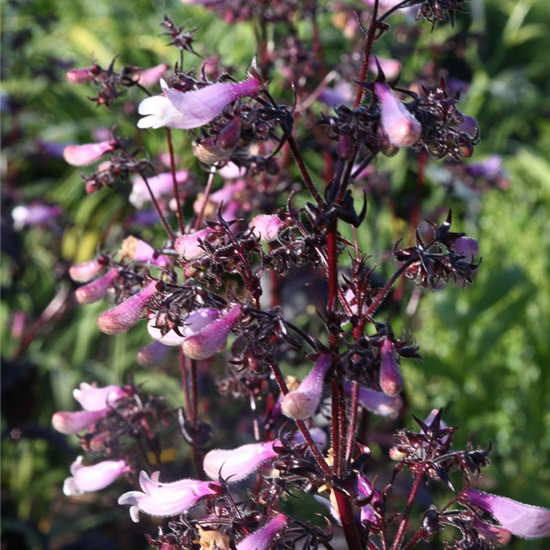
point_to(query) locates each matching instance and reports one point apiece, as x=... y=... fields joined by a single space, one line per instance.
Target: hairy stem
x=179 y=213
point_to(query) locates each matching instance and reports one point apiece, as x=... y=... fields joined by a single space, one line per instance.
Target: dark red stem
x=179 y=213
x=158 y=209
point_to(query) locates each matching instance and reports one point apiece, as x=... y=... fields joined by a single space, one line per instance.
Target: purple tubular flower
x=391 y=380
x=467 y=247
x=186 y=110
x=195 y=322
x=165 y=499
x=266 y=227
x=152 y=355
x=94 y=291
x=79 y=76
x=86 y=479
x=213 y=337
x=70 y=423
x=402 y=129
x=82 y=155
x=238 y=463
x=497 y=536
x=302 y=403
x=379 y=403
x=82 y=273
x=261 y=539
x=365 y=490
x=124 y=316
x=522 y=520
x=189 y=247
x=34 y=214
x=92 y=398
x=139 y=251
x=489 y=168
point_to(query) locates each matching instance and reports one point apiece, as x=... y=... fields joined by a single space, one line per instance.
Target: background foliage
x=486 y=348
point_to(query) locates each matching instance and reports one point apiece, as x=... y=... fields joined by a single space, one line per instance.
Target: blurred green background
x=486 y=347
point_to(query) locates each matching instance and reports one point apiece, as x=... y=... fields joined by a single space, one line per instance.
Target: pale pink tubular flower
x=195 y=322
x=124 y=316
x=262 y=538
x=148 y=77
x=522 y=520
x=238 y=463
x=187 y=110
x=266 y=227
x=82 y=273
x=152 y=354
x=161 y=185
x=92 y=398
x=213 y=337
x=94 y=291
x=402 y=129
x=82 y=155
x=30 y=215
x=86 y=479
x=391 y=380
x=80 y=76
x=70 y=423
x=165 y=499
x=139 y=251
x=302 y=403
x=188 y=246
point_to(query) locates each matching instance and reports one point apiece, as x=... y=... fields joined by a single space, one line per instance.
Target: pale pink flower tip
x=391 y=380
x=239 y=463
x=70 y=423
x=189 y=246
x=94 y=291
x=92 y=398
x=402 y=129
x=82 y=273
x=302 y=403
x=81 y=155
x=522 y=520
x=148 y=77
x=86 y=479
x=261 y=539
x=266 y=227
x=79 y=76
x=124 y=316
x=165 y=499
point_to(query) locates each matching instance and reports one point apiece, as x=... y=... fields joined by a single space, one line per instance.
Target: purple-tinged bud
x=429 y=420
x=391 y=380
x=490 y=168
x=345 y=147
x=262 y=538
x=82 y=155
x=82 y=273
x=80 y=76
x=152 y=355
x=87 y=479
x=148 y=77
x=186 y=110
x=192 y=325
x=467 y=247
x=495 y=536
x=92 y=398
x=522 y=520
x=469 y=127
x=136 y=250
x=365 y=490
x=208 y=151
x=238 y=463
x=378 y=402
x=212 y=338
x=402 y=129
x=189 y=247
x=124 y=316
x=266 y=227
x=230 y=135
x=302 y=403
x=94 y=291
x=70 y=423
x=165 y=499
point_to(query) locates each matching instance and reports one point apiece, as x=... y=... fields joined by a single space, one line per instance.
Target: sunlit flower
x=82 y=155
x=93 y=398
x=266 y=227
x=82 y=273
x=86 y=479
x=261 y=539
x=136 y=250
x=70 y=423
x=96 y=290
x=189 y=246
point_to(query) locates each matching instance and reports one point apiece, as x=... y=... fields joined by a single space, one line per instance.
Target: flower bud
x=402 y=129
x=238 y=463
x=495 y=536
x=152 y=355
x=212 y=338
x=391 y=380
x=208 y=151
x=82 y=155
x=70 y=423
x=165 y=499
x=82 y=273
x=80 y=76
x=92 y=398
x=136 y=250
x=302 y=403
x=470 y=127
x=262 y=538
x=93 y=478
x=230 y=135
x=148 y=77
x=94 y=291
x=467 y=247
x=379 y=403
x=124 y=316
x=266 y=227
x=189 y=247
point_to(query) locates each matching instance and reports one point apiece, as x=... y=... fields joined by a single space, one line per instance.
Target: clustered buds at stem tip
x=302 y=403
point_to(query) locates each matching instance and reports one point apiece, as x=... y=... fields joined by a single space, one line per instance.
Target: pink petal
x=81 y=155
